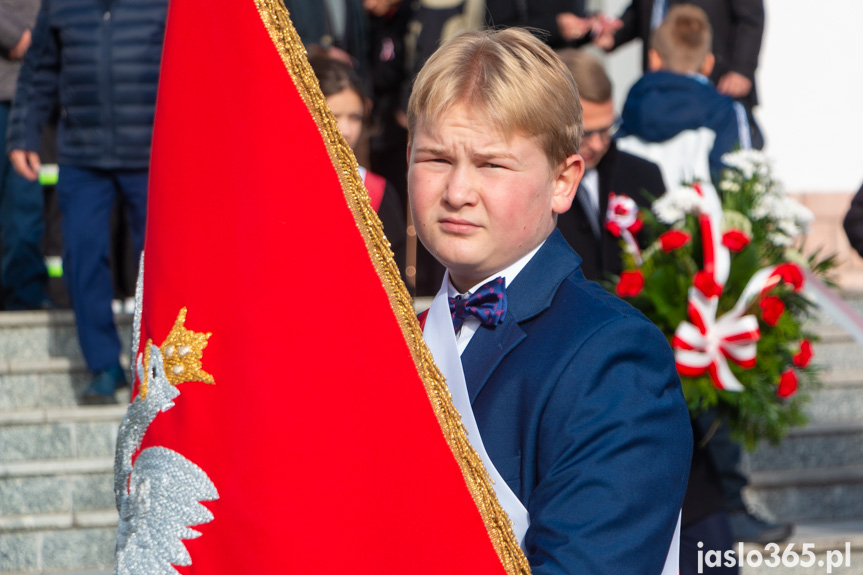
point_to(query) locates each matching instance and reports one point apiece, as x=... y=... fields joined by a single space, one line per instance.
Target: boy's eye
x=491 y=165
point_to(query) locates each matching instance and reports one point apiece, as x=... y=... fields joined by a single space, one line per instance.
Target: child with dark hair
x=343 y=90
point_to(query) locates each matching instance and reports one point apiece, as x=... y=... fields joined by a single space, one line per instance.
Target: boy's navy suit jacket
x=580 y=409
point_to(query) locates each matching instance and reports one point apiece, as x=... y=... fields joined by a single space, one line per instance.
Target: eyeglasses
x=604 y=133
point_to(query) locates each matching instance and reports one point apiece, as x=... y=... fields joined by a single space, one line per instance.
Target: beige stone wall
x=827 y=232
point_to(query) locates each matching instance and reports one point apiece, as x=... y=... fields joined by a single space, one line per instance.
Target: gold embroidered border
x=290 y=47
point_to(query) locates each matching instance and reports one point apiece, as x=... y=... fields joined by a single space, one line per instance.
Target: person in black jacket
x=338 y=26
x=559 y=22
x=101 y=60
x=853 y=223
x=608 y=171
x=738 y=27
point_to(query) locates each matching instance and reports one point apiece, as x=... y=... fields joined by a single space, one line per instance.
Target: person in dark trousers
x=609 y=173
x=101 y=60
x=23 y=278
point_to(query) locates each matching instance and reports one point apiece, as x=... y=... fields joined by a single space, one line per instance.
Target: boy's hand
x=734 y=85
x=26 y=163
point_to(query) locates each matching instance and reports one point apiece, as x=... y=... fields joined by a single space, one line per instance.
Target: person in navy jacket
x=574 y=392
x=100 y=59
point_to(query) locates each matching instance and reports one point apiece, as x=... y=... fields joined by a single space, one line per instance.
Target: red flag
x=292 y=418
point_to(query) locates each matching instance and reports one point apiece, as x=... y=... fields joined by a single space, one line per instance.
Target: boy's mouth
x=457 y=225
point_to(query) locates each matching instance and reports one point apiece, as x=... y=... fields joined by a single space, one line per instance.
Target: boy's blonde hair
x=683 y=39
x=515 y=81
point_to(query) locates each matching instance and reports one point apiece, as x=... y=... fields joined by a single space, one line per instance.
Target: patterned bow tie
x=487 y=304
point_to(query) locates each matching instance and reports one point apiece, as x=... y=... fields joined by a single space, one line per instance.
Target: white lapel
x=440 y=338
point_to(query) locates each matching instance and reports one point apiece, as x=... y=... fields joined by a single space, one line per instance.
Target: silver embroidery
x=164 y=488
x=139 y=306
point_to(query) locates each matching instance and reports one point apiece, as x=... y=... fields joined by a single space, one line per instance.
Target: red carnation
x=790 y=274
x=673 y=239
x=706 y=284
x=787 y=384
x=631 y=283
x=804 y=356
x=771 y=307
x=735 y=240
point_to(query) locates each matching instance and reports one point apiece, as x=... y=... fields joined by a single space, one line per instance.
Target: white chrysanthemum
x=779 y=239
x=674 y=204
x=748 y=162
x=788 y=227
x=729 y=185
x=763 y=207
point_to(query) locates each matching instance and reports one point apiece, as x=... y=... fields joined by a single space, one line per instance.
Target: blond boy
x=570 y=395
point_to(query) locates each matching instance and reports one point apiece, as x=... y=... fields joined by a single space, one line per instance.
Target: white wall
x=810 y=87
x=810 y=84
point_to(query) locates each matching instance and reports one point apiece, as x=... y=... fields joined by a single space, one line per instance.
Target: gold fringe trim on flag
x=293 y=53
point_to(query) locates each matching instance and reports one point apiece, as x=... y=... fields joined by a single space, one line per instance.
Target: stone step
x=46 y=383
x=817 y=446
x=85 y=546
x=836 y=350
x=32 y=489
x=59 y=434
x=834 y=493
x=839 y=399
x=824 y=539
x=44 y=334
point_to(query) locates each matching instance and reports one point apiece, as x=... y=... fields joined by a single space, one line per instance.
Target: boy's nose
x=461 y=187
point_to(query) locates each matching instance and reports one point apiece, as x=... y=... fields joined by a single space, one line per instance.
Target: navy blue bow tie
x=487 y=304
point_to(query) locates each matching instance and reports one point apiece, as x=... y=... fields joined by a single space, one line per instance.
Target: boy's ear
x=566 y=183
x=654 y=60
x=707 y=65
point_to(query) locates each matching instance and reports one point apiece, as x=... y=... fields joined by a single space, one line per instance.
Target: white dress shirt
x=471 y=323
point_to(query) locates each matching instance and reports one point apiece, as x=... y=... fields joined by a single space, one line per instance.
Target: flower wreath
x=724 y=281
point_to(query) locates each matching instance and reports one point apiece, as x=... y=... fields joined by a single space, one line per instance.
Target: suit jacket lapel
x=608 y=245
x=529 y=294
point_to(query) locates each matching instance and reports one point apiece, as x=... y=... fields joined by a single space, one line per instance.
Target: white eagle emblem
x=159 y=496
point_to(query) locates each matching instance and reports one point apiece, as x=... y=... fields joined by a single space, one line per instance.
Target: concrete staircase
x=57 y=511
x=815 y=477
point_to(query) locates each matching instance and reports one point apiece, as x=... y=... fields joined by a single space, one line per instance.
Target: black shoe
x=103 y=385
x=746 y=526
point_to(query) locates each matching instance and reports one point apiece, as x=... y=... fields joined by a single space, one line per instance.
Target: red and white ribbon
x=717 y=259
x=705 y=342
x=621 y=219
